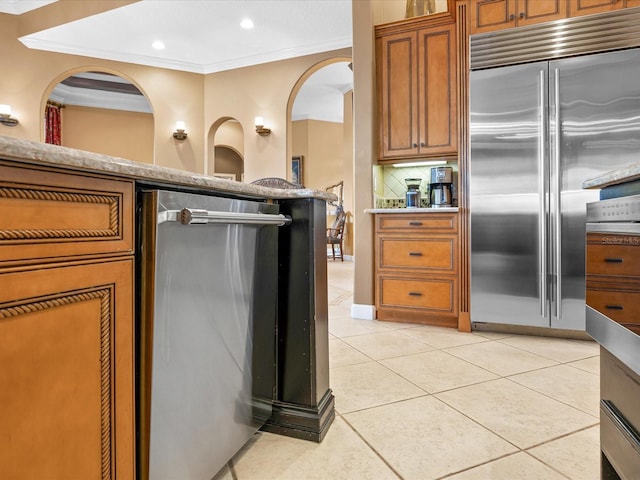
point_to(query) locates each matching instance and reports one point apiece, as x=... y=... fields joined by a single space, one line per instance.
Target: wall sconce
x=179 y=134
x=5 y=116
x=260 y=128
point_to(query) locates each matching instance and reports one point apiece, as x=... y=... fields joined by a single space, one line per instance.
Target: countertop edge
x=411 y=210
x=625 y=174
x=38 y=153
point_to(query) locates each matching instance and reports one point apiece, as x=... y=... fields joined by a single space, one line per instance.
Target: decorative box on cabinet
x=416 y=83
x=66 y=325
x=416 y=268
x=491 y=15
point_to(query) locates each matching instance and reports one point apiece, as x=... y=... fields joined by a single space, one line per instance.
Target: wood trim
x=464 y=262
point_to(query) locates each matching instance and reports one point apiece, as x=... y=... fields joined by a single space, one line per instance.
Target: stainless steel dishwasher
x=207 y=274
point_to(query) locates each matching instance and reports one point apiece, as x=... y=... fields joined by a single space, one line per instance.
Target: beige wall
x=112 y=132
x=261 y=91
x=321 y=144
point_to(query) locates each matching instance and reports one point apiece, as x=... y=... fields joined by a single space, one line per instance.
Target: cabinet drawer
x=610 y=254
x=618 y=299
x=406 y=223
x=436 y=294
x=46 y=214
x=435 y=254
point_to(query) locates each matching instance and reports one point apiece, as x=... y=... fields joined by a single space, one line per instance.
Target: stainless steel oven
x=613 y=320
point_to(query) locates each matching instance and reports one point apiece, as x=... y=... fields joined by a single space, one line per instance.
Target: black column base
x=299 y=421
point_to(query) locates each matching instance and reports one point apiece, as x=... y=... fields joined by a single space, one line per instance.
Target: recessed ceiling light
x=158 y=45
x=246 y=23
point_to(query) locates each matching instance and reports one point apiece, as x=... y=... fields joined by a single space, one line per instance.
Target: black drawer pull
x=614 y=307
x=415 y=224
x=613 y=260
x=415 y=294
x=415 y=254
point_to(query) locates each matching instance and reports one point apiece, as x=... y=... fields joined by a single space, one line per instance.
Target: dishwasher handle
x=191 y=216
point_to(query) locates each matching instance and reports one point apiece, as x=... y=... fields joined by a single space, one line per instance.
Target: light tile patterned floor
x=420 y=402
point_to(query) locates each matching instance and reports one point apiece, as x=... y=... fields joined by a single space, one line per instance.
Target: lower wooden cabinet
x=66 y=371
x=417 y=268
x=613 y=277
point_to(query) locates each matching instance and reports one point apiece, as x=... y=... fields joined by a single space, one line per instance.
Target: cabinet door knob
x=512 y=17
x=415 y=145
x=415 y=254
x=415 y=294
x=522 y=15
x=613 y=260
x=422 y=144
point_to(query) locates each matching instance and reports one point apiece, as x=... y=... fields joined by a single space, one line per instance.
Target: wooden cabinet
x=490 y=15
x=416 y=82
x=416 y=268
x=66 y=325
x=586 y=7
x=613 y=276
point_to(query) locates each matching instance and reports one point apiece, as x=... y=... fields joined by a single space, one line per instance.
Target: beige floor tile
x=558 y=349
x=339 y=311
x=224 y=474
x=368 y=385
x=499 y=358
x=425 y=439
x=342 y=455
x=341 y=354
x=491 y=335
x=517 y=413
x=437 y=371
x=442 y=337
x=576 y=455
x=347 y=326
x=591 y=365
x=514 y=467
x=388 y=344
x=397 y=325
x=569 y=385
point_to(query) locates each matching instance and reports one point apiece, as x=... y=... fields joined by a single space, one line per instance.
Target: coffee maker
x=413 y=192
x=440 y=187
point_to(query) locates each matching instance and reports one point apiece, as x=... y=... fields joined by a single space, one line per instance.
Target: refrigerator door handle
x=542 y=213
x=557 y=186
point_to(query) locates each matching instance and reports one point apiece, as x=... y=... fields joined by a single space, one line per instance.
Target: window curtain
x=53 y=124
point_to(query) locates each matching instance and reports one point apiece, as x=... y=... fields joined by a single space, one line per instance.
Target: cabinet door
x=398 y=94
x=585 y=7
x=66 y=381
x=437 y=91
x=490 y=15
x=537 y=11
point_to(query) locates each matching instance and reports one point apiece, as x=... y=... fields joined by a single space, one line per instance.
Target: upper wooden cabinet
x=416 y=75
x=585 y=7
x=490 y=15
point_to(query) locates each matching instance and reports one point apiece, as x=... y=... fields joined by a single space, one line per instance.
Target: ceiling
x=205 y=36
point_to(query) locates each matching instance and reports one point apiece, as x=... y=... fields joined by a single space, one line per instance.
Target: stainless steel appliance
x=613 y=290
x=440 y=187
x=208 y=279
x=538 y=130
x=413 y=192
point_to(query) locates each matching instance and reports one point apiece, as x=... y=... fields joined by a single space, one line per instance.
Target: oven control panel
x=623 y=209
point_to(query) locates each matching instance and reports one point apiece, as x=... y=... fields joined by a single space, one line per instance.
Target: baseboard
x=300 y=421
x=364 y=312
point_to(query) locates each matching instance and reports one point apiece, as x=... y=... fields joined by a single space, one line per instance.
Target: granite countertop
x=628 y=173
x=411 y=210
x=38 y=153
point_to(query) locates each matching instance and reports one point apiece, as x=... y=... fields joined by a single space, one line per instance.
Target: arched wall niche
x=97 y=119
x=225 y=148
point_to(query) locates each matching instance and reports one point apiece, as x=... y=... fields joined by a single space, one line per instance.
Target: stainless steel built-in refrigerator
x=537 y=132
